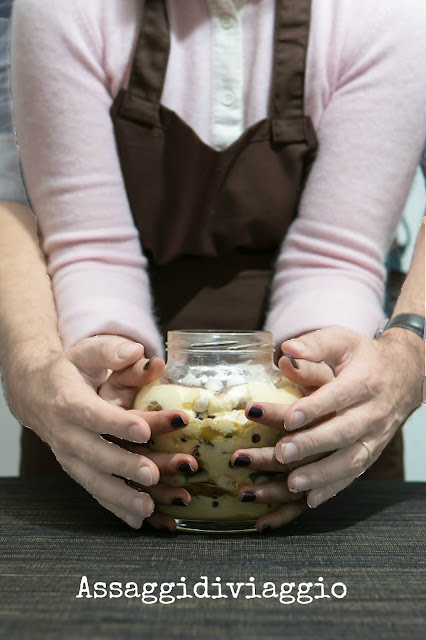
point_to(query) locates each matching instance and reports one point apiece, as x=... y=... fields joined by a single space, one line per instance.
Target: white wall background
x=414 y=430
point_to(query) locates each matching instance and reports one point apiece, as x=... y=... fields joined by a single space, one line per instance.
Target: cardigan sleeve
x=366 y=93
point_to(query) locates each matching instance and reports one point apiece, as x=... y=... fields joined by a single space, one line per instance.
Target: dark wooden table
x=369 y=540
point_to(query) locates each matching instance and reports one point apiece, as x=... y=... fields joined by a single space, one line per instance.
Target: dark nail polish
x=148 y=364
x=178 y=421
x=293 y=361
x=267 y=527
x=179 y=502
x=242 y=461
x=185 y=467
x=255 y=412
x=248 y=496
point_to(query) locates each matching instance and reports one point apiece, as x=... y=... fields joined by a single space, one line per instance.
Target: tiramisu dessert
x=214 y=401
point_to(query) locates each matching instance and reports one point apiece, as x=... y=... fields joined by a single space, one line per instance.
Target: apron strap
x=292 y=22
x=142 y=100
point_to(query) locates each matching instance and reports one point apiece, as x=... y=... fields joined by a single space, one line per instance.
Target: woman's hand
x=56 y=396
x=309 y=376
x=378 y=384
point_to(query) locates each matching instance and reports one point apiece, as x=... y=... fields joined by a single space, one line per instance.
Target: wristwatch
x=411 y=321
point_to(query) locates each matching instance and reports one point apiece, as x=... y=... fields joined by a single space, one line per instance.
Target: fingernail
x=179 y=502
x=298 y=345
x=293 y=361
x=297 y=420
x=141 y=505
x=266 y=527
x=144 y=476
x=255 y=412
x=242 y=461
x=248 y=496
x=127 y=350
x=289 y=453
x=148 y=364
x=178 y=421
x=137 y=433
x=185 y=467
x=301 y=483
x=316 y=500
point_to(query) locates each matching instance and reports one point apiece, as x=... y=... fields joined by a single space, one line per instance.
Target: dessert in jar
x=212 y=376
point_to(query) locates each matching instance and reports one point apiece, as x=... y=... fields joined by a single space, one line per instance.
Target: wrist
x=414 y=322
x=407 y=353
x=28 y=354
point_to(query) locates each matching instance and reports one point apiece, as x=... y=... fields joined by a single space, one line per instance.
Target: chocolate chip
x=154 y=406
x=215 y=504
x=255 y=437
x=183 y=439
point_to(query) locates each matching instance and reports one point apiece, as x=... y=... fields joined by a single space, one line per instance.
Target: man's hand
x=377 y=385
x=57 y=397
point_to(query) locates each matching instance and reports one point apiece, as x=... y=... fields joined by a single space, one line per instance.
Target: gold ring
x=367 y=446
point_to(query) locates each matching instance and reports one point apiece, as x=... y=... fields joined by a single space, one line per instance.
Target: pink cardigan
x=366 y=95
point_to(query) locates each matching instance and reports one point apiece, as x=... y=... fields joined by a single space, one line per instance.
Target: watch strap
x=410 y=321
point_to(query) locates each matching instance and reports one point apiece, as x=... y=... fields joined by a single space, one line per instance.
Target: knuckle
x=59 y=439
x=320 y=478
x=351 y=431
x=61 y=403
x=342 y=394
x=358 y=461
x=86 y=415
x=374 y=385
x=306 y=444
x=383 y=412
x=89 y=455
x=64 y=440
x=264 y=456
x=90 y=483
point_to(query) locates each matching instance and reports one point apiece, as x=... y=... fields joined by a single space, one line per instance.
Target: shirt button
x=226 y=21
x=228 y=98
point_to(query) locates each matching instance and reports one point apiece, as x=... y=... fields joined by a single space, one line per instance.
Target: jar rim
x=219 y=340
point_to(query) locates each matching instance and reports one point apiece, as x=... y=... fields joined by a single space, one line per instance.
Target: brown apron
x=211 y=222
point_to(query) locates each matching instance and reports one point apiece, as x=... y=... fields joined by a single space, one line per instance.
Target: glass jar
x=212 y=376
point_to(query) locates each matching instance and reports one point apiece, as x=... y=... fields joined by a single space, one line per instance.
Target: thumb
x=332 y=345
x=98 y=353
